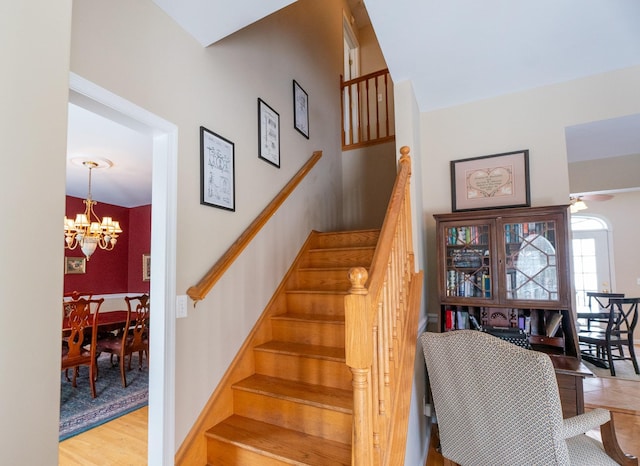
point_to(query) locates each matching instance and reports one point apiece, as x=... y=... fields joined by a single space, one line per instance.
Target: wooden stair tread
x=316 y=395
x=286 y=445
x=300 y=349
x=320 y=318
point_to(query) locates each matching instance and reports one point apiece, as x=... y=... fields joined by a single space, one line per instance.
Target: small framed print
x=490 y=181
x=268 y=134
x=300 y=110
x=75 y=265
x=146 y=267
x=217 y=170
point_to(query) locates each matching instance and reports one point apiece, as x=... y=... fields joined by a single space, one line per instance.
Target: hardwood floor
x=122 y=441
x=621 y=397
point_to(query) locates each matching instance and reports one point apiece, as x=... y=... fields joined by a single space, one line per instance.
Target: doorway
x=161 y=437
x=591 y=257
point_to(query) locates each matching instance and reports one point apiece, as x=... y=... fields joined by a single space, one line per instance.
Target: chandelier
x=87 y=231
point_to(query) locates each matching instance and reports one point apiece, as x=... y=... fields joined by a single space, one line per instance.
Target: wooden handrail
x=381 y=318
x=199 y=291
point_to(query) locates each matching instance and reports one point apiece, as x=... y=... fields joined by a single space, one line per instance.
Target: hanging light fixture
x=577 y=204
x=87 y=230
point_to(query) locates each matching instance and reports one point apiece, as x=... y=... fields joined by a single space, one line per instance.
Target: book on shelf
x=553 y=324
x=462 y=321
x=449 y=319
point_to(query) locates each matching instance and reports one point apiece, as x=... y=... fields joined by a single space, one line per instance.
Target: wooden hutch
x=512 y=268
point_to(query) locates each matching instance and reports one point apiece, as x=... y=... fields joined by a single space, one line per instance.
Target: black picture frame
x=300 y=109
x=268 y=134
x=217 y=170
x=490 y=182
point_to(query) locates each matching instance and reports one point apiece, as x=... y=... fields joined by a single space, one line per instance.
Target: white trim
x=161 y=441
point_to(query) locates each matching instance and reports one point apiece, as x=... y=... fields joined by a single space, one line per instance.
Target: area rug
x=79 y=412
x=624 y=371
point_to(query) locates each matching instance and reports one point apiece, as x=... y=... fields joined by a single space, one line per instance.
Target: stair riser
x=302 y=369
x=220 y=453
x=323 y=279
x=360 y=257
x=307 y=303
x=312 y=420
x=310 y=333
x=346 y=239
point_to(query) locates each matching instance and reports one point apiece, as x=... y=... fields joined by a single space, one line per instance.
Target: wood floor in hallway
x=122 y=441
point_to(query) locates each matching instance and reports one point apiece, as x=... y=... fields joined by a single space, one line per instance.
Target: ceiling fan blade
x=596 y=197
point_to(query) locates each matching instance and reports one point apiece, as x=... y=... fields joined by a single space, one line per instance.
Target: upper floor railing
x=367 y=110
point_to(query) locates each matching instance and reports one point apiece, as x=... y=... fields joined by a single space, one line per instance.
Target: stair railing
x=381 y=315
x=367 y=110
x=200 y=290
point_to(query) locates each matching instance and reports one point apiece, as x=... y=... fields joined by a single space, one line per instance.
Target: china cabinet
x=508 y=268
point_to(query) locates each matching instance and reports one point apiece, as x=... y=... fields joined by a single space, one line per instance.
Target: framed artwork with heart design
x=490 y=182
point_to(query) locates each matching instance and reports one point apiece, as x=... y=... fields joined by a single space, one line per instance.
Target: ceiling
x=453 y=52
x=94 y=137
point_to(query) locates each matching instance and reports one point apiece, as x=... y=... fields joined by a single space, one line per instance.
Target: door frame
x=161 y=421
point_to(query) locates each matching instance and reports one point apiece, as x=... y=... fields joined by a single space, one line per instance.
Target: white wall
x=34 y=46
x=533 y=120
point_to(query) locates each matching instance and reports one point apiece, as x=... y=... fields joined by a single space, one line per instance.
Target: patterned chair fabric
x=497 y=403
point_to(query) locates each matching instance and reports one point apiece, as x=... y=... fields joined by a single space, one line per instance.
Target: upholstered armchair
x=497 y=403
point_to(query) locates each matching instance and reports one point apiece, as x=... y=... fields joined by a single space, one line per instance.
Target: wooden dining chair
x=608 y=346
x=134 y=338
x=79 y=342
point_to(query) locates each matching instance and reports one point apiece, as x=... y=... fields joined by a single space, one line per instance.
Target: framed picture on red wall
x=75 y=265
x=146 y=267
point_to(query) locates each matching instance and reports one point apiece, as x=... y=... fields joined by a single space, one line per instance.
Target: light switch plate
x=181 y=306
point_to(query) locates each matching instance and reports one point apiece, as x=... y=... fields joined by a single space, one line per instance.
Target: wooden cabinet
x=508 y=268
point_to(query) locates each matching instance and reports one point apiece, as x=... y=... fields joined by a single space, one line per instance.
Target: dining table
x=107 y=321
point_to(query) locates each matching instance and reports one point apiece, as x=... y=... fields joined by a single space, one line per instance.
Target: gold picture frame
x=146 y=267
x=73 y=265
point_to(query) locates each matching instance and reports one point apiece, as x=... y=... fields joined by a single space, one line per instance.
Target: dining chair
x=79 y=342
x=598 y=301
x=608 y=346
x=498 y=403
x=134 y=337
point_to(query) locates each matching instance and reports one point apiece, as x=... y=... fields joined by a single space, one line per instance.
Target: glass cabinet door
x=468 y=261
x=530 y=270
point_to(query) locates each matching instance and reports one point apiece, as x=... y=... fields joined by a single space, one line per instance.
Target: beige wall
x=371 y=58
x=621 y=213
x=368 y=177
x=34 y=46
x=134 y=50
x=605 y=174
x=408 y=134
x=533 y=120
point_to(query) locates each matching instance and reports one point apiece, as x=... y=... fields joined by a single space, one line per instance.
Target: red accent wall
x=110 y=272
x=139 y=244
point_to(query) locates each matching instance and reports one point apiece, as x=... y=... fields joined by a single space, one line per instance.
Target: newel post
x=359 y=356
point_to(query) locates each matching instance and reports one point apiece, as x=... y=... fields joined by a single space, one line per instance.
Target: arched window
x=591 y=260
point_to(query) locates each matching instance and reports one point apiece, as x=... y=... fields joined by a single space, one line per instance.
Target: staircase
x=296 y=408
